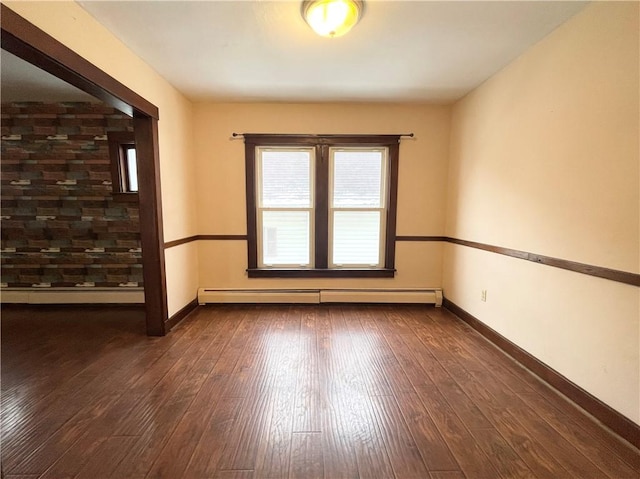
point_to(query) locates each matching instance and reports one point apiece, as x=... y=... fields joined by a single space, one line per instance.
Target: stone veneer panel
x=61 y=226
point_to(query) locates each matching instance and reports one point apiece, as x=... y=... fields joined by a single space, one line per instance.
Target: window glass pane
x=285 y=179
x=285 y=237
x=356 y=237
x=357 y=179
x=132 y=169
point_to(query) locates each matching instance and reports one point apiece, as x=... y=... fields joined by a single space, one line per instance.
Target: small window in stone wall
x=124 y=167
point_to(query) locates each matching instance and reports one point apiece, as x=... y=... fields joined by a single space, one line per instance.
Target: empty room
x=320 y=239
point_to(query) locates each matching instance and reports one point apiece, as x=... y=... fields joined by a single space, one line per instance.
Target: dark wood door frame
x=28 y=42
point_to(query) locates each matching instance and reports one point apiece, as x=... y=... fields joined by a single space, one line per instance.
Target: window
x=285 y=206
x=321 y=206
x=124 y=167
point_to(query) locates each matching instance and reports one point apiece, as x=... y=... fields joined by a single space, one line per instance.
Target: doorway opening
x=26 y=41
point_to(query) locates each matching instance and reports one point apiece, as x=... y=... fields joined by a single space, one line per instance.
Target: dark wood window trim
x=119 y=143
x=321 y=273
x=321 y=143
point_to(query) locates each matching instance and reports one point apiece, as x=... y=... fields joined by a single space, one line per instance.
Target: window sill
x=320 y=273
x=122 y=197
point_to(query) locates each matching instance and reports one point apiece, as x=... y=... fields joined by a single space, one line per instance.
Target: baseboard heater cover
x=72 y=296
x=316 y=296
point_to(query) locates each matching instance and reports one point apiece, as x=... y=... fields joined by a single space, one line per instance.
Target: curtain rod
x=239 y=135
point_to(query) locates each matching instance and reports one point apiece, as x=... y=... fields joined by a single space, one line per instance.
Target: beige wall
x=221 y=183
x=544 y=158
x=74 y=27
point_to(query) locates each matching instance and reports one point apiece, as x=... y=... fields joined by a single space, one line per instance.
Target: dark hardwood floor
x=330 y=391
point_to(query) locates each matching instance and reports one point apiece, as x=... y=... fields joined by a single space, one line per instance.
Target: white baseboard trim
x=72 y=296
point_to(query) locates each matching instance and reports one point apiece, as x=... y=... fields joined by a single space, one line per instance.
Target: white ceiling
x=264 y=51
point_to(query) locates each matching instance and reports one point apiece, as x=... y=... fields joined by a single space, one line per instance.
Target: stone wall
x=61 y=226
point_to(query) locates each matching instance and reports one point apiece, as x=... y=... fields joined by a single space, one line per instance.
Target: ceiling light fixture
x=332 y=18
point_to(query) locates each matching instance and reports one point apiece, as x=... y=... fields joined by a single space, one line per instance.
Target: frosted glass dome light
x=332 y=18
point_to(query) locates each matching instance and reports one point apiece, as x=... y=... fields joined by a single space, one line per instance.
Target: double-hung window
x=285 y=209
x=357 y=207
x=321 y=206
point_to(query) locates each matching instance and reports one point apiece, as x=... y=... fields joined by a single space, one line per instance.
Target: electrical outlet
x=483 y=295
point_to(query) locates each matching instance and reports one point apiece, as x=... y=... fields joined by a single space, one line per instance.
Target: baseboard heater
x=317 y=296
x=72 y=296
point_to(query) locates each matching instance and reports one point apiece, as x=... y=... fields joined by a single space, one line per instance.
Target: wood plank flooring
x=277 y=391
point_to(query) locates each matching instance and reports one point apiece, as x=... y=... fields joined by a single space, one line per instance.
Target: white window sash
x=381 y=243
x=382 y=210
x=260 y=209
x=260 y=238
x=384 y=177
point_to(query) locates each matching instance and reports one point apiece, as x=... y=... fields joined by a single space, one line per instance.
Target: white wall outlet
x=483 y=295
